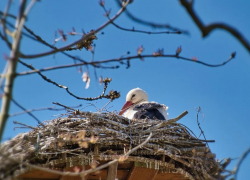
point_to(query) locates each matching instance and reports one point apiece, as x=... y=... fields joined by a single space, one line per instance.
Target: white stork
x=138 y=107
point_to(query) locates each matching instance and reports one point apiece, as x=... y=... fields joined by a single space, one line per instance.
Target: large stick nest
x=72 y=140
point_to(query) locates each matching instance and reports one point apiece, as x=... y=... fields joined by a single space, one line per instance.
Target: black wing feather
x=148 y=111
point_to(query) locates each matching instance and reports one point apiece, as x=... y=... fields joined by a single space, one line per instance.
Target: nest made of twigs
x=82 y=135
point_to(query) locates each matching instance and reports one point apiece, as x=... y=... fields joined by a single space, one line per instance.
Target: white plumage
x=137 y=106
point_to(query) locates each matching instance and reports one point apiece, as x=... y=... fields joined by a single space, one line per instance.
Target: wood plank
x=172 y=176
x=112 y=171
x=34 y=173
x=140 y=172
x=72 y=169
x=102 y=174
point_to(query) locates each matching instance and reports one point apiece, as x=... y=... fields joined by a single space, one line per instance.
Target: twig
x=80 y=40
x=198 y=123
x=130 y=58
x=188 y=5
x=66 y=107
x=165 y=122
x=15 y=122
x=139 y=31
x=38 y=38
x=152 y=24
x=3 y=22
x=236 y=169
x=40 y=109
x=66 y=88
x=20 y=106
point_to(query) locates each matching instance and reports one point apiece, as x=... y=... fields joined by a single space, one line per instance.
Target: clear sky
x=222 y=92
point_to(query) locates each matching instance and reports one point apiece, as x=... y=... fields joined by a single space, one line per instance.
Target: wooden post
x=163 y=158
x=96 y=149
x=112 y=171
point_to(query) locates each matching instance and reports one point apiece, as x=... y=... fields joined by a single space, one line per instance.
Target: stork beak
x=125 y=107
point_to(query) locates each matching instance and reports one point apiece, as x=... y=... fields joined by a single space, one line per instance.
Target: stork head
x=133 y=97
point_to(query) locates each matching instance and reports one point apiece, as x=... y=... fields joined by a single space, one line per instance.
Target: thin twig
x=151 y=24
x=40 y=109
x=236 y=169
x=198 y=123
x=139 y=31
x=32 y=115
x=65 y=107
x=93 y=32
x=15 y=122
x=66 y=88
x=130 y=58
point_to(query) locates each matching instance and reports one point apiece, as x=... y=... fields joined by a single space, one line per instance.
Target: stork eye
x=133 y=96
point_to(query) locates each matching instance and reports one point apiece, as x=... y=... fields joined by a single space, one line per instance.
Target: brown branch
x=38 y=38
x=130 y=58
x=29 y=113
x=188 y=5
x=40 y=109
x=139 y=31
x=25 y=125
x=65 y=107
x=64 y=66
x=67 y=89
x=84 y=173
x=151 y=24
x=87 y=36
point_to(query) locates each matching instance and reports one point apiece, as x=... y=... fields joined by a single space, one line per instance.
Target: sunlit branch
x=188 y=5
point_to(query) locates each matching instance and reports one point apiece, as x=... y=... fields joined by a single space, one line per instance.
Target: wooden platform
x=125 y=171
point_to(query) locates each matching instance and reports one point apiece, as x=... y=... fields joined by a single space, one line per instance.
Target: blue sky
x=222 y=92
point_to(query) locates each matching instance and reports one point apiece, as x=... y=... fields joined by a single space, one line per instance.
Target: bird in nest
x=137 y=106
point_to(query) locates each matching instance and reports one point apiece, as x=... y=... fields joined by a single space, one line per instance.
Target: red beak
x=125 y=107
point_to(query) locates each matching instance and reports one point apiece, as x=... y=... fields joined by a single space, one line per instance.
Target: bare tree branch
x=112 y=94
x=40 y=109
x=139 y=31
x=11 y=72
x=151 y=24
x=188 y=5
x=126 y=58
x=32 y=115
x=91 y=33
